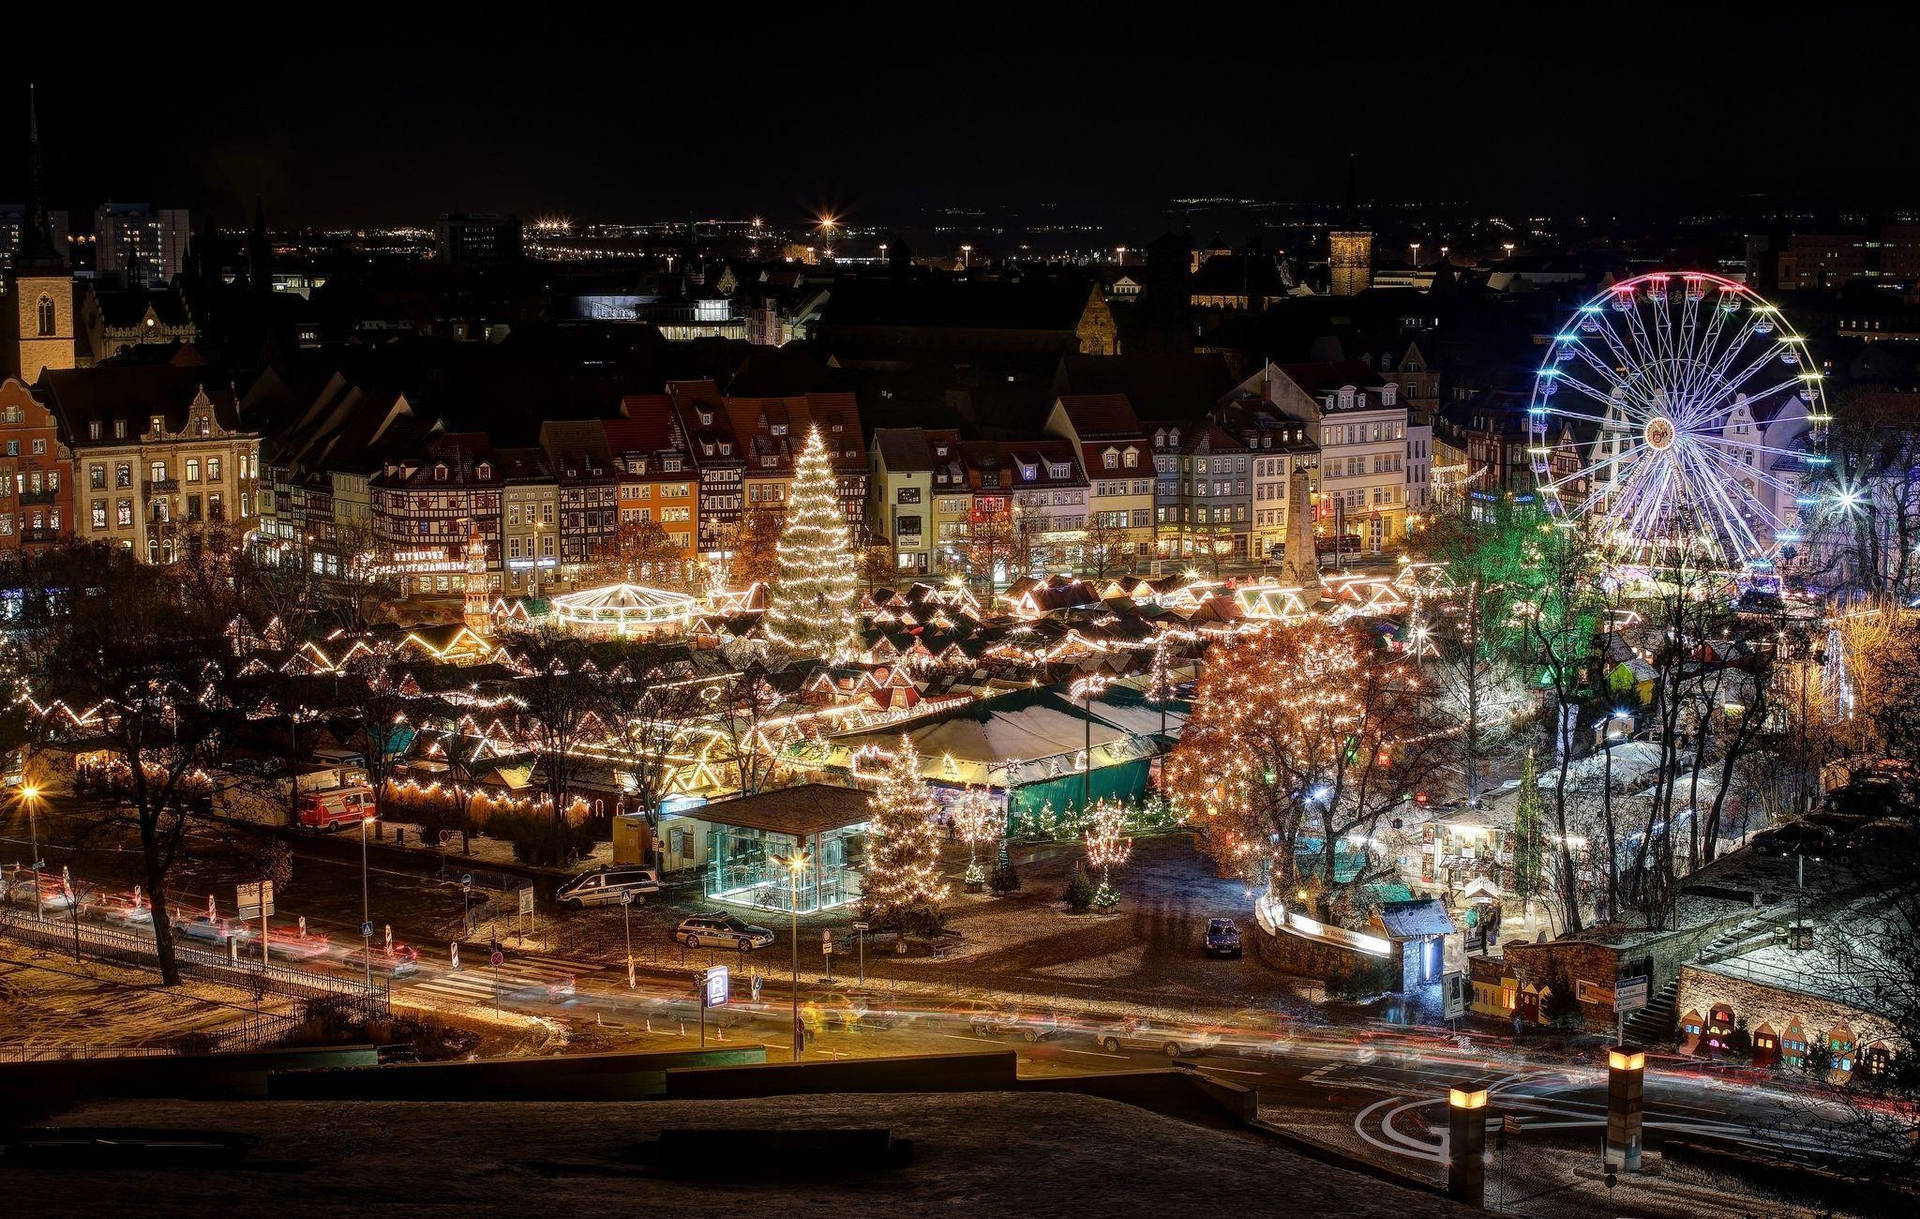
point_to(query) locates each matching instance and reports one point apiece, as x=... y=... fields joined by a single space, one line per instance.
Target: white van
x=604 y=886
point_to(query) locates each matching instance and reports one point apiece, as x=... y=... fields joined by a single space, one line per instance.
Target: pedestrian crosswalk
x=520 y=977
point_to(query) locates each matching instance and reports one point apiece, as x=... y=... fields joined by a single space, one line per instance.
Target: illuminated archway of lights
x=1680 y=414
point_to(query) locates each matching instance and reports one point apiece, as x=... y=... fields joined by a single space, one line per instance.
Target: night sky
x=883 y=113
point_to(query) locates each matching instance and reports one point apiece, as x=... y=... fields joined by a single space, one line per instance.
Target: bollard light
x=1467 y=1145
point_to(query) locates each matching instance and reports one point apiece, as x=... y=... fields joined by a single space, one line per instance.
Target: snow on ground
x=49 y=1004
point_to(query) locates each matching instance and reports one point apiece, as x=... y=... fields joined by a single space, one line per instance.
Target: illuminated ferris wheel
x=1679 y=414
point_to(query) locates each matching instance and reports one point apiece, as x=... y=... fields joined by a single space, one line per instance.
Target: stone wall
x=1340 y=968
x=1756 y=1003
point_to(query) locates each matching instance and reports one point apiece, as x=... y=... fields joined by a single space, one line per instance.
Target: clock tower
x=40 y=298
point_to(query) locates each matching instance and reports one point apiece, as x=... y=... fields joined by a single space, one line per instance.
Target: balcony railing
x=162 y=486
x=38 y=497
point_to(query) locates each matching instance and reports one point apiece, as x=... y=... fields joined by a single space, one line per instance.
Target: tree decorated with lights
x=1529 y=837
x=816 y=585
x=902 y=882
x=977 y=819
x=1301 y=739
x=1108 y=847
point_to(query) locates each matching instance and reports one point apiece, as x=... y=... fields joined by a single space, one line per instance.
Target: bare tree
x=558 y=690
x=649 y=706
x=147 y=646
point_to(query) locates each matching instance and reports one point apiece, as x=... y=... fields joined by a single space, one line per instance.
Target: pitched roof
x=108 y=392
x=1101 y=416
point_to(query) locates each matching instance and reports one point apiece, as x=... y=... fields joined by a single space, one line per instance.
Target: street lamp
x=1415 y=247
x=366 y=907
x=30 y=796
x=1082 y=691
x=796 y=865
x=966 y=257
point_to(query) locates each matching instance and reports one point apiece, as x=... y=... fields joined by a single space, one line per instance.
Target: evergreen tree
x=1529 y=844
x=902 y=882
x=811 y=609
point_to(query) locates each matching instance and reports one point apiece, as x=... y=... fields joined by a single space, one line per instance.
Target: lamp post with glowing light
x=29 y=798
x=1467 y=1145
x=828 y=225
x=966 y=257
x=366 y=907
x=796 y=865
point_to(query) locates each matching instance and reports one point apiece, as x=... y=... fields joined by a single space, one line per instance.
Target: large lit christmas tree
x=811 y=608
x=901 y=884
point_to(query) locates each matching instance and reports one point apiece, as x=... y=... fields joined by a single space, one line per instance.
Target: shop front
x=798 y=849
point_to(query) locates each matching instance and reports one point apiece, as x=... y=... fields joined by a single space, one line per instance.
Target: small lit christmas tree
x=811 y=606
x=976 y=818
x=902 y=882
x=1107 y=848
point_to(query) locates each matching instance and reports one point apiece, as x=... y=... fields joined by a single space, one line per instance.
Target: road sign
x=366 y=931
x=466 y=880
x=496 y=958
x=526 y=900
x=254 y=900
x=713 y=987
x=859 y=926
x=626 y=897
x=1630 y=994
x=1453 y=993
x=826 y=941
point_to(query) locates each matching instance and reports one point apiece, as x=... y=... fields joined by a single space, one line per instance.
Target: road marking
x=1207 y=1066
x=1095 y=1053
x=964 y=1037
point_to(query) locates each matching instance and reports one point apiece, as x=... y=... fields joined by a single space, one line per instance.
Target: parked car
x=1141 y=1034
x=721 y=930
x=1223 y=938
x=604 y=886
x=1795 y=838
x=212 y=929
x=399 y=962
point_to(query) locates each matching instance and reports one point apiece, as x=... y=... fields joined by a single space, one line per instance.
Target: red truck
x=335 y=807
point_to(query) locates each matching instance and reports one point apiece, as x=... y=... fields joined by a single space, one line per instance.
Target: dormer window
x=1131 y=458
x=1389 y=394
x=779 y=429
x=1160 y=439
x=484 y=471
x=769 y=462
x=1173 y=437
x=1028 y=472
x=706 y=418
x=726 y=448
x=1110 y=459
x=1346 y=397
x=835 y=429
x=157 y=425
x=669 y=464
x=1058 y=469
x=93 y=429
x=440 y=473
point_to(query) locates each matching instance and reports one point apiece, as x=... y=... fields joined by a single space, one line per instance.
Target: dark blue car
x=1223 y=938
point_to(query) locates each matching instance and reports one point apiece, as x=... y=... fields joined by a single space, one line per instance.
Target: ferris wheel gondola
x=1679 y=416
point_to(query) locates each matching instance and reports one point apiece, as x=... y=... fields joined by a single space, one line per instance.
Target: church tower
x=1350 y=248
x=40 y=301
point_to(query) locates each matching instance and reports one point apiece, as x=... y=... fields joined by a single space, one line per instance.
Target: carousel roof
x=624 y=599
